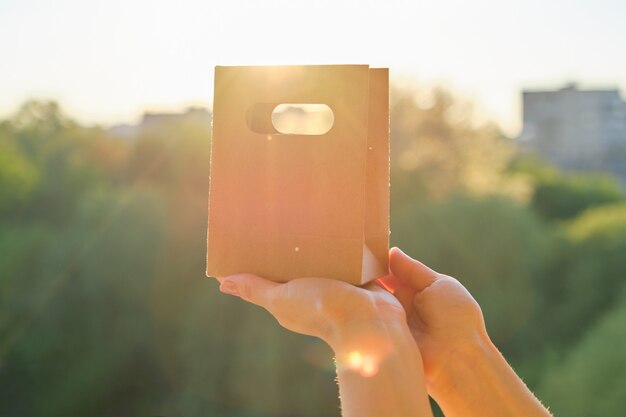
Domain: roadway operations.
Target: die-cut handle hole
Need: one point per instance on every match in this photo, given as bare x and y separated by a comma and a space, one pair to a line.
291, 119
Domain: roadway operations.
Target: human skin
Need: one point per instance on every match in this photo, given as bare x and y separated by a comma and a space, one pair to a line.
465, 373
379, 366
429, 336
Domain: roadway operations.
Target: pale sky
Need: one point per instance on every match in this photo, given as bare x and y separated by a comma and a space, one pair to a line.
108, 61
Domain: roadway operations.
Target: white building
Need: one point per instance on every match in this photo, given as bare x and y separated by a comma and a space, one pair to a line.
576, 129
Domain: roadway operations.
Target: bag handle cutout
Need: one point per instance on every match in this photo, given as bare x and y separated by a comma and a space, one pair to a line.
305, 119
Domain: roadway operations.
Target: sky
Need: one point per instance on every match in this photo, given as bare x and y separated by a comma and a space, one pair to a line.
108, 62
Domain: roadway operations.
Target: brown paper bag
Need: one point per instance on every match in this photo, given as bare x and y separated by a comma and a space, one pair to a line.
286, 206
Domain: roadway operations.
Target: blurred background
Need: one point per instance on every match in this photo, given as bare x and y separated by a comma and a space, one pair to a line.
508, 147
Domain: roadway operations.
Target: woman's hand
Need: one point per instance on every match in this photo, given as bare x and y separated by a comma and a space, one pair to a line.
349, 318
379, 367
466, 374
444, 318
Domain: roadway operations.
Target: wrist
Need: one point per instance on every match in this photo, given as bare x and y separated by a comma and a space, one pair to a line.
375, 357
363, 342
463, 364
345, 330
478, 371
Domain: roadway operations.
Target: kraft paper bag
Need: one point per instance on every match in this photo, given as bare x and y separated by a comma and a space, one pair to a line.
286, 206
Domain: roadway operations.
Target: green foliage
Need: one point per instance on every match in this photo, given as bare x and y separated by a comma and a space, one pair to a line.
566, 197
591, 381
72, 304
493, 245
560, 196
105, 309
18, 177
436, 150
602, 226
584, 277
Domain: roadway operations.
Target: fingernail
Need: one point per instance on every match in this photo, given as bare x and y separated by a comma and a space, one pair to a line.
229, 287
401, 252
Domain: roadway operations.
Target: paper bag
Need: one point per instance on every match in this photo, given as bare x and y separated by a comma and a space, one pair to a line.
285, 206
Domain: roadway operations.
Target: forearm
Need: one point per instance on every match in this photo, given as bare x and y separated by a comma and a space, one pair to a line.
380, 373
479, 382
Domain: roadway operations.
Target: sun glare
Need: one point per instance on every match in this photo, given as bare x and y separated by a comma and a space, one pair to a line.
365, 365
302, 118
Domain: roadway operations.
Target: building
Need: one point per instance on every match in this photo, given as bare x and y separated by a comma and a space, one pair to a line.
576, 129
192, 115
158, 121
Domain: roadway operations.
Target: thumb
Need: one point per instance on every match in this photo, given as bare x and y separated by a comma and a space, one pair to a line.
409, 271
249, 287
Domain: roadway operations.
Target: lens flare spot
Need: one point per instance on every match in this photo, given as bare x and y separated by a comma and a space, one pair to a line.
369, 367
297, 249
355, 359
363, 364
269, 137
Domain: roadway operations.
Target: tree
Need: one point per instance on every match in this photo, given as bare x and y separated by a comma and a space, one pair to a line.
18, 177
492, 245
561, 196
438, 149
585, 276
591, 381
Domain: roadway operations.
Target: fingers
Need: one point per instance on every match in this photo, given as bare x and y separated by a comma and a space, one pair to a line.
249, 287
410, 271
377, 286
403, 292
389, 282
